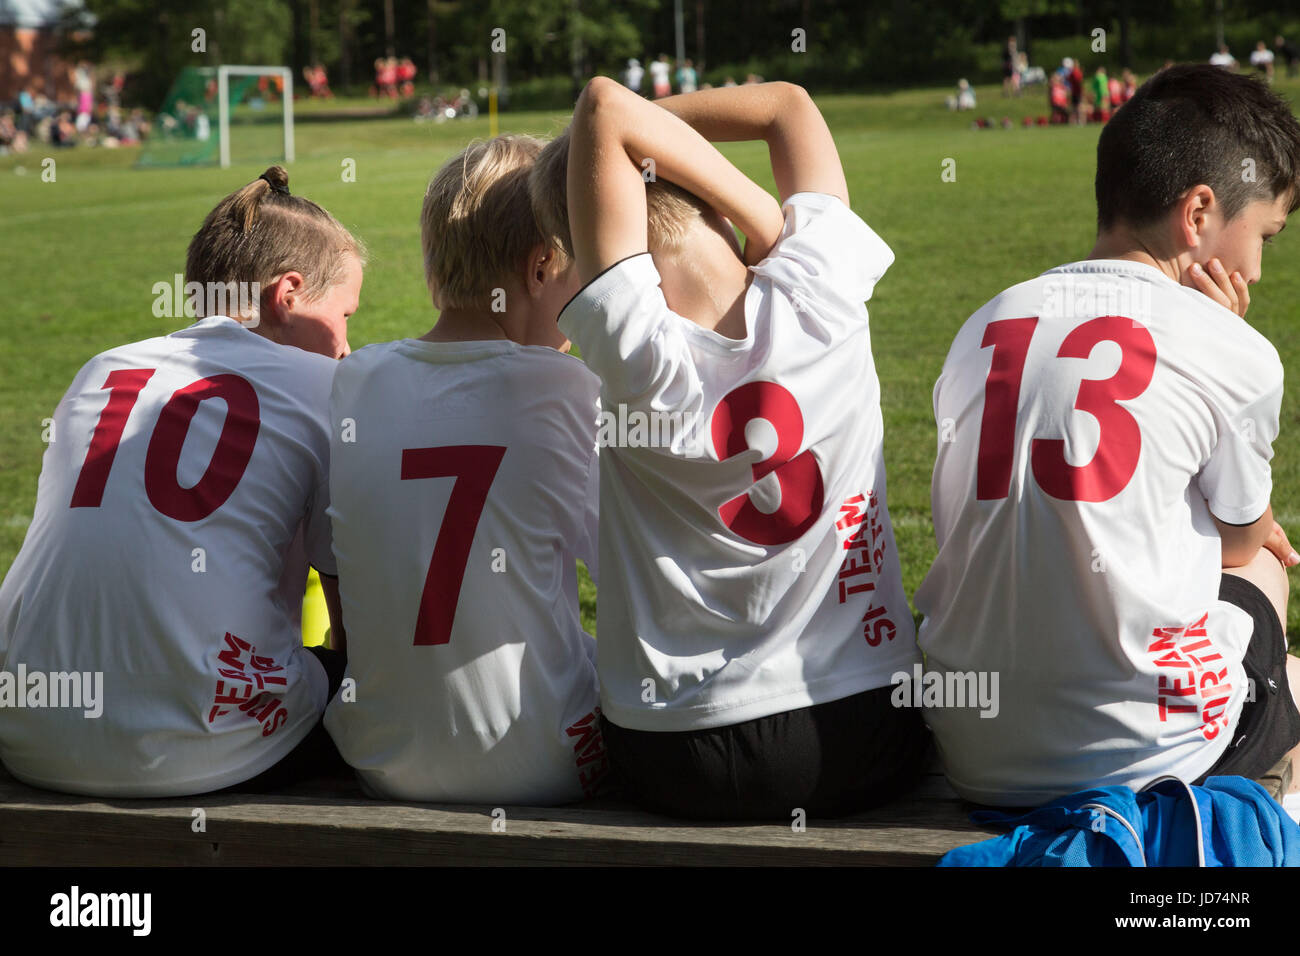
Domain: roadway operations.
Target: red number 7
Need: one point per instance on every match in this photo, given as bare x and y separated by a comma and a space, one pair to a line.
474, 467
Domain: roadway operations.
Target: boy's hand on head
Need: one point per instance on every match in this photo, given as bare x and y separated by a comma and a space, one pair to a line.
1214, 281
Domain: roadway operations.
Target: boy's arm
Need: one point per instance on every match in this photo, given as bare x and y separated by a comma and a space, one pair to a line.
329, 585
1242, 542
783, 115
613, 132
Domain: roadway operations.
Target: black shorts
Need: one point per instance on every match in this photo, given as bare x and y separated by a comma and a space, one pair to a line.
1269, 725
827, 760
316, 754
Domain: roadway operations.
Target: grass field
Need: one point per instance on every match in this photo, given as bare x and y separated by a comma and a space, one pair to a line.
79, 257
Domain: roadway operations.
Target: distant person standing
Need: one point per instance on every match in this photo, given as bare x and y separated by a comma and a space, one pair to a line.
1130, 83
659, 70
1010, 74
1287, 50
633, 75
1058, 99
1099, 94
84, 81
687, 81
1073, 75
1221, 57
1261, 58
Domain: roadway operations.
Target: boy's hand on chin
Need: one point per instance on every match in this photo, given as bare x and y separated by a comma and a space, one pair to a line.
1211, 279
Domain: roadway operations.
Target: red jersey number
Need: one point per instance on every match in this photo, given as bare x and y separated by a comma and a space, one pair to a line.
474, 467
799, 475
229, 459
1120, 442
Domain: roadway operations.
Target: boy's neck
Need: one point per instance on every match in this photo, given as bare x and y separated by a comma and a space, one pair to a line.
1127, 245
706, 282
465, 325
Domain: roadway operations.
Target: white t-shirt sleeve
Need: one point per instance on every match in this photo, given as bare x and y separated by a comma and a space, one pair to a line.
1237, 480
826, 249
630, 338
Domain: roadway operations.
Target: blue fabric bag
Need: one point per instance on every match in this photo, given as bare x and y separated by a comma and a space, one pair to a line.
1229, 821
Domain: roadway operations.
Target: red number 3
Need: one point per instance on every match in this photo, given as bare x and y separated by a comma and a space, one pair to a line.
1120, 444
799, 475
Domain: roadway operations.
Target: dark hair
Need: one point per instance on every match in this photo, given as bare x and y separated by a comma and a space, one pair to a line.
1191, 125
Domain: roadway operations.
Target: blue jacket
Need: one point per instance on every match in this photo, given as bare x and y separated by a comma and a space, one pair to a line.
1230, 821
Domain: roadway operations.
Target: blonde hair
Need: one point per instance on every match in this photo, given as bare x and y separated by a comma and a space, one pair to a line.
477, 224
670, 210
260, 232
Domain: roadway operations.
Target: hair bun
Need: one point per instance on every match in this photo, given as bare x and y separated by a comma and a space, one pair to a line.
278, 179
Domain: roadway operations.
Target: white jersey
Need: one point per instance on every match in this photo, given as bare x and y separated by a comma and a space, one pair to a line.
184, 477
749, 563
1085, 418
659, 77
464, 491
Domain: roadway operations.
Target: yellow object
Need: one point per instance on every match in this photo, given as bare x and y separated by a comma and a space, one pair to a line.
315, 615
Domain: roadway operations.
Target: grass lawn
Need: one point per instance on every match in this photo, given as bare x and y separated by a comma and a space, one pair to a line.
79, 257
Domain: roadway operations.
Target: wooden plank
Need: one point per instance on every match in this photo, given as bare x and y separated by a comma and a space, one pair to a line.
333, 824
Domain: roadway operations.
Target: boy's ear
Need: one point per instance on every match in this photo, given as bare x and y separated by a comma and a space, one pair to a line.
280, 297
539, 266
1195, 209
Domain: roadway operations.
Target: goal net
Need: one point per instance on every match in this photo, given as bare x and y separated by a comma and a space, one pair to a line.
223, 114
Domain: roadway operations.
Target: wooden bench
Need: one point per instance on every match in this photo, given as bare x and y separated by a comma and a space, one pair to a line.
333, 823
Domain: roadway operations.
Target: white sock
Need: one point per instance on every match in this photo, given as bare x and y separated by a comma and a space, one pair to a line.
1291, 804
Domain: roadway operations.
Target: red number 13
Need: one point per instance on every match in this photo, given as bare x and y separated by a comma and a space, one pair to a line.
1120, 444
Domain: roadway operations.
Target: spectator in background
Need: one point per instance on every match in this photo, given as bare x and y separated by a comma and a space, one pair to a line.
63, 130
318, 81
1261, 58
84, 81
26, 119
633, 75
113, 88
1058, 99
8, 132
406, 76
1099, 96
1130, 83
659, 80
1010, 75
965, 98
1115, 88
1223, 58
686, 78
1074, 78
1287, 50
1029, 75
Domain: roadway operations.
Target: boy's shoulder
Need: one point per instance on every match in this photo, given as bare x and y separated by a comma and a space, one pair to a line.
825, 246
1191, 329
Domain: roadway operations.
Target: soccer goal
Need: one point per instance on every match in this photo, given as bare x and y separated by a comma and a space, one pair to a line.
208, 108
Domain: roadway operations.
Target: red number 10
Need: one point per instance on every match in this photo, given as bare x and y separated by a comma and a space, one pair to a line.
1120, 444
229, 459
